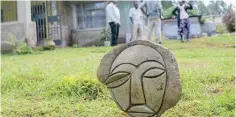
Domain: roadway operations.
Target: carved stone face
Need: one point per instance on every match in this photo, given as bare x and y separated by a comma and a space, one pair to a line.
137, 79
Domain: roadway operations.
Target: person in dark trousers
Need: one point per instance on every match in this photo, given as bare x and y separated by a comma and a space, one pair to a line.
183, 19
113, 20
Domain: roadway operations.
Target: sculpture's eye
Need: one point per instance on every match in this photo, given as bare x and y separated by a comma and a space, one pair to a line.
117, 79
154, 72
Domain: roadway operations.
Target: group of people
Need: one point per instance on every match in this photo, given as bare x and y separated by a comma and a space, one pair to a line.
152, 10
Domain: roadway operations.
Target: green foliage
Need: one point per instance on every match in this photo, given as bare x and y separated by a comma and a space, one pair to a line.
202, 20
167, 4
220, 29
85, 87
229, 20
18, 46
24, 49
12, 41
217, 7
193, 12
105, 34
203, 10
49, 44
75, 46
168, 12
63, 82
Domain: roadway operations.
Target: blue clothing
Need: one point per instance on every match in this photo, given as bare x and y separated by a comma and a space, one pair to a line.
184, 27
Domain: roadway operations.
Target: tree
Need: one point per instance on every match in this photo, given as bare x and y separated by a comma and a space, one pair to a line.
167, 4
231, 7
193, 12
203, 10
170, 6
167, 13
229, 20
217, 7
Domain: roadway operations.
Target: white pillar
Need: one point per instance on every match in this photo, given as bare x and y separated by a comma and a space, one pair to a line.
74, 18
24, 14
20, 11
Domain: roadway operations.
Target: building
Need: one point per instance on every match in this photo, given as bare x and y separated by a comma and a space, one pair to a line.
65, 22
59, 20
34, 21
88, 20
16, 18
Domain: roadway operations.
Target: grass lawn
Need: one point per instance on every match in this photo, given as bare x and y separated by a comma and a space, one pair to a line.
63, 82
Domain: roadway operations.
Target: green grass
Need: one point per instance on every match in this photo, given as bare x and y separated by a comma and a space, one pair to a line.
63, 82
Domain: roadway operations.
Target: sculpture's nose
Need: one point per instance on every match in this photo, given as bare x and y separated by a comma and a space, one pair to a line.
137, 93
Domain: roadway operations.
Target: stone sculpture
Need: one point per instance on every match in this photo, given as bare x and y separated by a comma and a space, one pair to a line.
143, 78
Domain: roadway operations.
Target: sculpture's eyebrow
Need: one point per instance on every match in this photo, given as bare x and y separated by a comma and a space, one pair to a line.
144, 62
147, 61
121, 65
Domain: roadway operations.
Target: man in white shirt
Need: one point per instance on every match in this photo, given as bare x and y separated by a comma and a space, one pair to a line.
153, 14
136, 18
113, 20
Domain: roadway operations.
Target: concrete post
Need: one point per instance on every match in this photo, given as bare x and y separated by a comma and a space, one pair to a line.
74, 19
21, 11
24, 16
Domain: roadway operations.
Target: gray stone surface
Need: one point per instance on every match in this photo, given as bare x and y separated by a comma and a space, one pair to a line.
143, 78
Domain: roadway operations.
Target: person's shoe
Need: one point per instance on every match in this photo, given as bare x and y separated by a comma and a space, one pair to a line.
160, 43
182, 41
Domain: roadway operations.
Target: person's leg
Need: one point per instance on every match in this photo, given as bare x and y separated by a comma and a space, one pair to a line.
180, 30
134, 32
187, 29
151, 25
140, 27
158, 30
117, 33
113, 32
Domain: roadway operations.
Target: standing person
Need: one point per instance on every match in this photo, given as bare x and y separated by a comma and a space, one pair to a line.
113, 20
154, 18
136, 18
182, 19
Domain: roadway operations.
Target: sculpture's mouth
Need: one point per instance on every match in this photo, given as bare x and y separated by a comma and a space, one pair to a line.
140, 109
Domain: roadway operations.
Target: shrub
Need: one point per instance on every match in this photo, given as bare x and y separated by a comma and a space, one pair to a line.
89, 88
86, 88
167, 13
24, 49
229, 20
49, 44
202, 20
75, 46
105, 34
220, 29
18, 47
